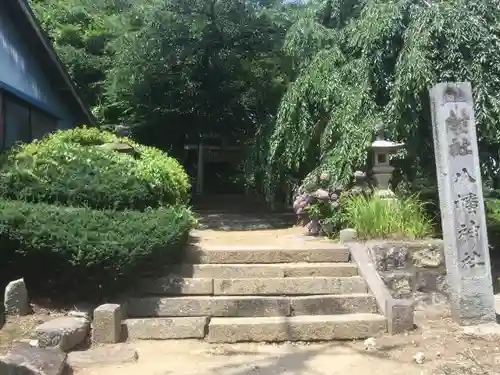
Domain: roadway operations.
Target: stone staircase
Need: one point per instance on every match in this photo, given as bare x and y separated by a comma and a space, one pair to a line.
256, 293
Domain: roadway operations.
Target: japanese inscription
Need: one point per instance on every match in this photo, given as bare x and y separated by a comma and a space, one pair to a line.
461, 200
464, 176
460, 147
468, 231
472, 259
453, 94
468, 202
458, 125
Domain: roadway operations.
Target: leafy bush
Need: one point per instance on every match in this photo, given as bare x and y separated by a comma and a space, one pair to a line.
375, 217
80, 167
87, 251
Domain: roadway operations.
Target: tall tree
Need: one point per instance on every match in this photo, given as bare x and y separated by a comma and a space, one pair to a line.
80, 31
197, 69
362, 63
176, 70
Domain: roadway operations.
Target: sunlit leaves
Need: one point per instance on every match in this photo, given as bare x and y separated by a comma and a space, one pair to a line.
359, 63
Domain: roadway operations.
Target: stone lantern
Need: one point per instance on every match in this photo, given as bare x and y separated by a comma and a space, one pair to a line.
382, 169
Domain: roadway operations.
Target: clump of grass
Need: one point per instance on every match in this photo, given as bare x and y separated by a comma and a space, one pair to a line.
375, 217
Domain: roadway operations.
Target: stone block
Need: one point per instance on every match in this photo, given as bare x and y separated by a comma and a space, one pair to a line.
389, 256
175, 286
431, 281
430, 256
228, 271
166, 328
315, 253
63, 333
103, 356
331, 305
107, 324
296, 328
16, 299
320, 270
207, 306
400, 316
400, 284
24, 359
348, 235
290, 286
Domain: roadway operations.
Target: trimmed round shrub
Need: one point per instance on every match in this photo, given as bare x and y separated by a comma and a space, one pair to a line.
88, 252
92, 168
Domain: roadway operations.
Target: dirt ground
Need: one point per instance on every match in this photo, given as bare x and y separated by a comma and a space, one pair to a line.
18, 328
447, 350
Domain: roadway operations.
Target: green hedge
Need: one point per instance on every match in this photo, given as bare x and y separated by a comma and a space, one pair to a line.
81, 250
78, 168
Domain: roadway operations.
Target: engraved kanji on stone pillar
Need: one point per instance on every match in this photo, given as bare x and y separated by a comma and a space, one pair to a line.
462, 206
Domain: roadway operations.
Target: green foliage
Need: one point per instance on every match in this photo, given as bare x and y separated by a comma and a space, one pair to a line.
81, 31
73, 168
375, 217
85, 250
361, 63
301, 84
175, 70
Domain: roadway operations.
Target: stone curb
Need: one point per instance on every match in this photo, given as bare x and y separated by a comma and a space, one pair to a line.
398, 312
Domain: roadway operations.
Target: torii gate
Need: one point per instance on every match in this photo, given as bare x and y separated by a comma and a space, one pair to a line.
214, 154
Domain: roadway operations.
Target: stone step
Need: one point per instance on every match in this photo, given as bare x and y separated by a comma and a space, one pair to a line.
290, 286
322, 252
176, 286
248, 306
296, 328
332, 304
242, 271
166, 328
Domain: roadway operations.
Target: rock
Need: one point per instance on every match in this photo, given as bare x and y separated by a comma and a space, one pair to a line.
63, 333
24, 359
107, 325
16, 300
123, 148
430, 257
370, 344
399, 284
419, 358
79, 314
103, 355
348, 235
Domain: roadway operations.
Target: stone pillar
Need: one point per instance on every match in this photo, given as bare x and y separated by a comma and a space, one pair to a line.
462, 206
107, 324
16, 299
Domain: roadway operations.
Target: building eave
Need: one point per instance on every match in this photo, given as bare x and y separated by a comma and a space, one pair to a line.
54, 59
